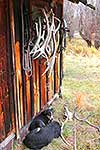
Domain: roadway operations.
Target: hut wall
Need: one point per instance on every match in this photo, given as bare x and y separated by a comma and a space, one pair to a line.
7, 120
21, 96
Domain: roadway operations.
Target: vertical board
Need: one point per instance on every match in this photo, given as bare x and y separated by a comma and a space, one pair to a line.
43, 87
25, 111
50, 85
56, 69
59, 12
36, 86
28, 98
3, 73
19, 85
2, 127
6, 87
25, 74
10, 73
12, 38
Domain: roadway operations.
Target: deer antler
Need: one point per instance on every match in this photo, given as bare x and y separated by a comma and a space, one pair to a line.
85, 120
45, 44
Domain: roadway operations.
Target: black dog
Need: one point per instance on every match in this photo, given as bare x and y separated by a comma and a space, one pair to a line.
42, 119
37, 140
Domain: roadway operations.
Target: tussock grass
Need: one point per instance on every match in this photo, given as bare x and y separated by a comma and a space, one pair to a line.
80, 47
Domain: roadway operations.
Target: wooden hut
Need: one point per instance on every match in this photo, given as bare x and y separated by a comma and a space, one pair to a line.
23, 95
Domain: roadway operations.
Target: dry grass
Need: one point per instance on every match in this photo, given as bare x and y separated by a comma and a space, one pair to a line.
81, 87
79, 47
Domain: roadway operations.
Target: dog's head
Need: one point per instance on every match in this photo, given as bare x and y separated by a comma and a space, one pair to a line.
48, 113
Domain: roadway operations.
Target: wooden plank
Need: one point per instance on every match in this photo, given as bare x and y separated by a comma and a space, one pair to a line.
5, 114
12, 29
5, 95
19, 85
32, 96
25, 113
36, 86
50, 87
56, 68
59, 14
43, 83
2, 127
24, 76
29, 8
9, 75
59, 70
28, 98
18, 61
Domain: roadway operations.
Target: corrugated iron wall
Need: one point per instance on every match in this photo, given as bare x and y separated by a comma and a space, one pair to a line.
22, 96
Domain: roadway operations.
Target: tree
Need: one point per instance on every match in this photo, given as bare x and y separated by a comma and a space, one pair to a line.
69, 15
97, 36
84, 19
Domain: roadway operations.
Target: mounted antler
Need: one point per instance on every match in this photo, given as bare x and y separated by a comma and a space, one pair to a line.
46, 27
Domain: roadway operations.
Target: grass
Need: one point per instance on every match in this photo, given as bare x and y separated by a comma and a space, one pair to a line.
81, 75
84, 77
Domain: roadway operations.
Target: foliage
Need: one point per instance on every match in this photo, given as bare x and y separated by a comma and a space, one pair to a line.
84, 20
79, 46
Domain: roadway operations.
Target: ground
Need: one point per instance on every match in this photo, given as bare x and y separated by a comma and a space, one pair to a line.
81, 87
81, 77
